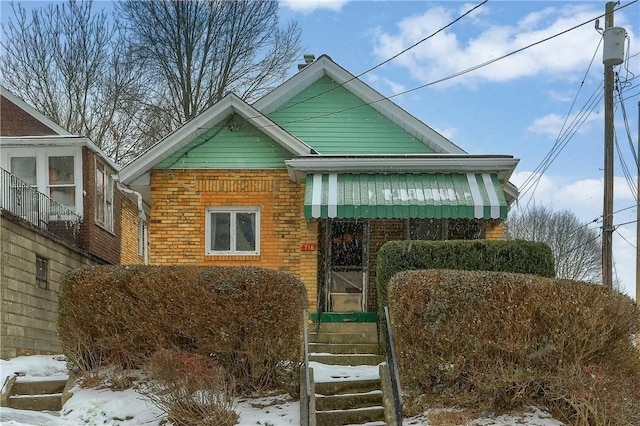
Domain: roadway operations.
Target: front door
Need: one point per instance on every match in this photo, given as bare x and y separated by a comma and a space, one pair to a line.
347, 256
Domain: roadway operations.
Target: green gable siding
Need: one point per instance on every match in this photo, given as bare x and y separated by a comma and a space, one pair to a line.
360, 130
221, 148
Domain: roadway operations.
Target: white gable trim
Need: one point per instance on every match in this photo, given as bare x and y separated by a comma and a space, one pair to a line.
205, 120
33, 112
325, 66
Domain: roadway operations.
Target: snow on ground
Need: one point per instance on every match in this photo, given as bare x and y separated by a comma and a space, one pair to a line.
128, 408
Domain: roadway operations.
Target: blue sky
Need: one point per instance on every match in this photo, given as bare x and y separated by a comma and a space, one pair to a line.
515, 106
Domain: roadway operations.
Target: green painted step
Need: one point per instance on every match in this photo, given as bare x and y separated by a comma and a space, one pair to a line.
345, 327
344, 317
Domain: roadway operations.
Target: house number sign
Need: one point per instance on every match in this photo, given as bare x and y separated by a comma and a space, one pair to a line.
309, 247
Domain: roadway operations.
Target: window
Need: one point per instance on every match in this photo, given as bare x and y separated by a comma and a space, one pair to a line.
233, 231
104, 196
62, 186
24, 201
42, 272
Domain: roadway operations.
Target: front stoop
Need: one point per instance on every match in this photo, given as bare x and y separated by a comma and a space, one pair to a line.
37, 395
340, 401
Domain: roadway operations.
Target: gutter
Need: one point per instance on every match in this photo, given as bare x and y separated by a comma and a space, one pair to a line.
143, 233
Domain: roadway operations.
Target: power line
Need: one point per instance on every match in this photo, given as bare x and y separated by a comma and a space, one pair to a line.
457, 74
623, 237
386, 60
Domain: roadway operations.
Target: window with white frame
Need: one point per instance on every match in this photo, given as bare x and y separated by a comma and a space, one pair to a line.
233, 230
104, 196
62, 185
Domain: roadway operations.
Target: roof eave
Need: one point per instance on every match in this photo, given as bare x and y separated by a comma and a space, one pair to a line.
502, 165
185, 134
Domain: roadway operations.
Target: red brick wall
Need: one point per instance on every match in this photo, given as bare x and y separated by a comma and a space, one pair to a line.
380, 232
95, 239
14, 121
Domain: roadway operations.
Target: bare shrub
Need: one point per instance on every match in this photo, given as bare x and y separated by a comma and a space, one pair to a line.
191, 389
502, 341
248, 318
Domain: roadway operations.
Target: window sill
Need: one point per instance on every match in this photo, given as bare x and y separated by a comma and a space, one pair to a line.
234, 257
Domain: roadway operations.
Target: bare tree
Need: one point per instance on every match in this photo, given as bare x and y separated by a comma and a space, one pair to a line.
576, 248
194, 52
70, 63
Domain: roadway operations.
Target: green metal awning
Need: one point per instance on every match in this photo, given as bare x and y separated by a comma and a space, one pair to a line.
442, 195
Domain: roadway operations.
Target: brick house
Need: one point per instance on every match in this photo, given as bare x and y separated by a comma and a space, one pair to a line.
60, 209
312, 179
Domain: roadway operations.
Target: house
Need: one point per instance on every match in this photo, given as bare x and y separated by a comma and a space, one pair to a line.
312, 179
60, 209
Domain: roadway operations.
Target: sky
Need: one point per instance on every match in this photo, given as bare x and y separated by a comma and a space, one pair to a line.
130, 408
514, 106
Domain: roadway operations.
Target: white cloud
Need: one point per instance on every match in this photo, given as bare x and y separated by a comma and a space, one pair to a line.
561, 96
585, 198
448, 132
551, 124
449, 52
309, 6
394, 86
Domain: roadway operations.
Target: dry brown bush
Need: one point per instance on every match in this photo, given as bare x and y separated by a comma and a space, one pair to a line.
248, 319
190, 388
502, 341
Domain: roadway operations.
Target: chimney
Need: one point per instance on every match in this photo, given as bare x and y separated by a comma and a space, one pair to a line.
308, 58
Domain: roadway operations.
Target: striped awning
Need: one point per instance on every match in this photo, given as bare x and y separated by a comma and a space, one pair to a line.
443, 195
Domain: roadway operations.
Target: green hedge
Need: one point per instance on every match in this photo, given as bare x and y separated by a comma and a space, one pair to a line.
517, 256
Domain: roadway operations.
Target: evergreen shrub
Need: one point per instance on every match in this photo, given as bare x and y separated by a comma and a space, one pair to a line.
249, 320
502, 341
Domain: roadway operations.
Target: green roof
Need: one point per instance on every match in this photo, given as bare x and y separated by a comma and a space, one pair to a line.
334, 121
444, 195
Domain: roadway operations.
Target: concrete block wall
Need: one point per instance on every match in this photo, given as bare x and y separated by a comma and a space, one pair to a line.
28, 314
177, 226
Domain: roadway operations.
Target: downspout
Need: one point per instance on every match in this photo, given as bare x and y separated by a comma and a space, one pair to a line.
143, 232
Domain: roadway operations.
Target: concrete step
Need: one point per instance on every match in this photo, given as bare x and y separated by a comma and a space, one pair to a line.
349, 417
348, 401
345, 327
346, 359
49, 402
343, 338
347, 387
38, 387
344, 348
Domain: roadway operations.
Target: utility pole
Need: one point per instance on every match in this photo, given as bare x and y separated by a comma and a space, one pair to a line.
607, 210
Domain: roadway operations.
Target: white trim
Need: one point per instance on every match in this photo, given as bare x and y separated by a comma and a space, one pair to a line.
55, 128
199, 125
503, 166
332, 199
493, 196
232, 228
324, 65
478, 204
316, 195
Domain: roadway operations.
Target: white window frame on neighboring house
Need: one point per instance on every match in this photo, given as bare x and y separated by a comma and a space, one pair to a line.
43, 180
104, 196
232, 231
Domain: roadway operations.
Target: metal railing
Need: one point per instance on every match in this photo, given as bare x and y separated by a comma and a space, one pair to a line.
305, 399
21, 200
392, 361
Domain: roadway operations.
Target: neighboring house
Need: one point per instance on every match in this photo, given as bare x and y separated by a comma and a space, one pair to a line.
60, 209
312, 179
